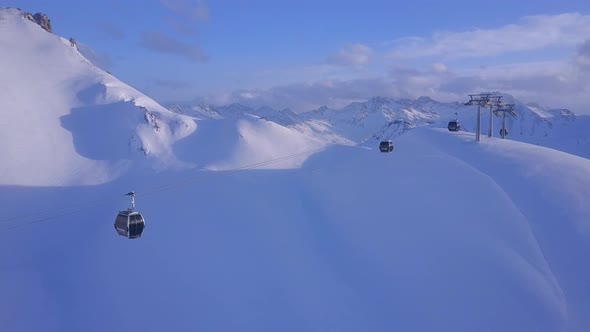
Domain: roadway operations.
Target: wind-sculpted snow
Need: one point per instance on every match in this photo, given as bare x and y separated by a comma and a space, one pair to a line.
552, 190
66, 122
260, 220
442, 234
232, 143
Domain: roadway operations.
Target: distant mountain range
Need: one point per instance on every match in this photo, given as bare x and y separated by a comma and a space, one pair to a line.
84, 126
378, 118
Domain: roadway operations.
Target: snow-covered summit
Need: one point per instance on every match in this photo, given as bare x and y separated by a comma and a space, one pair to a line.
64, 121
379, 117
382, 118
201, 111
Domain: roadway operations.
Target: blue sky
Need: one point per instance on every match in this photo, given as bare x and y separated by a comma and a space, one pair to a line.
303, 54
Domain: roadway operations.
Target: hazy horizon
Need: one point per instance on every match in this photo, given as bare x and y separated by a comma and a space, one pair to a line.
307, 54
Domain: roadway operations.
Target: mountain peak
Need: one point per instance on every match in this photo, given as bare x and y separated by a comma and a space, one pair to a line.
425, 99
89, 118
39, 18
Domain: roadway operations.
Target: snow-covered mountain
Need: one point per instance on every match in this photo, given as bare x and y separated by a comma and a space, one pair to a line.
65, 121
283, 117
383, 118
234, 135
378, 118
263, 220
84, 126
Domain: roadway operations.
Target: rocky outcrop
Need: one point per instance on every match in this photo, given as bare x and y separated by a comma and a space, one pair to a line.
41, 19
73, 43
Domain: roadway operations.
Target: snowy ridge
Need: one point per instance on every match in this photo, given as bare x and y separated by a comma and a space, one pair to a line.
556, 128
235, 135
443, 234
100, 128
234, 143
284, 117
492, 234
379, 118
54, 103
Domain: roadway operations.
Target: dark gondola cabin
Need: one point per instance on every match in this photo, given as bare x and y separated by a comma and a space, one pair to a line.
454, 125
130, 223
386, 146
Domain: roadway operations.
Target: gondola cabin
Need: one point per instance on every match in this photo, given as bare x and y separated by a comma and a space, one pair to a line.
129, 224
454, 125
386, 146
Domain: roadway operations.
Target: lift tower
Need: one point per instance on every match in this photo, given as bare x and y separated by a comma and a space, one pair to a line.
493, 102
481, 99
505, 108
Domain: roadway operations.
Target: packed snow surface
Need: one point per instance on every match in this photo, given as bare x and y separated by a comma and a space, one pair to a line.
260, 220
442, 234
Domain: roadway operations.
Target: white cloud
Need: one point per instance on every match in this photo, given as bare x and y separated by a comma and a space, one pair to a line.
556, 84
439, 68
530, 33
356, 55
301, 97
560, 82
552, 83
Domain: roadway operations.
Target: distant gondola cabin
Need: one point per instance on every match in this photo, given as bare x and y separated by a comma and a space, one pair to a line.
454, 125
386, 146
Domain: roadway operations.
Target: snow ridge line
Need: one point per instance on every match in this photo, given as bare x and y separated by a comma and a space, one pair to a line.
549, 274
145, 192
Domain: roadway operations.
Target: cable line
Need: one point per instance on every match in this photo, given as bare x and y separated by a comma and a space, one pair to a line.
69, 210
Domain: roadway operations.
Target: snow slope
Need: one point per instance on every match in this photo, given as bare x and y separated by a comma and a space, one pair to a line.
552, 190
64, 121
227, 144
291, 232
443, 234
380, 118
67, 122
